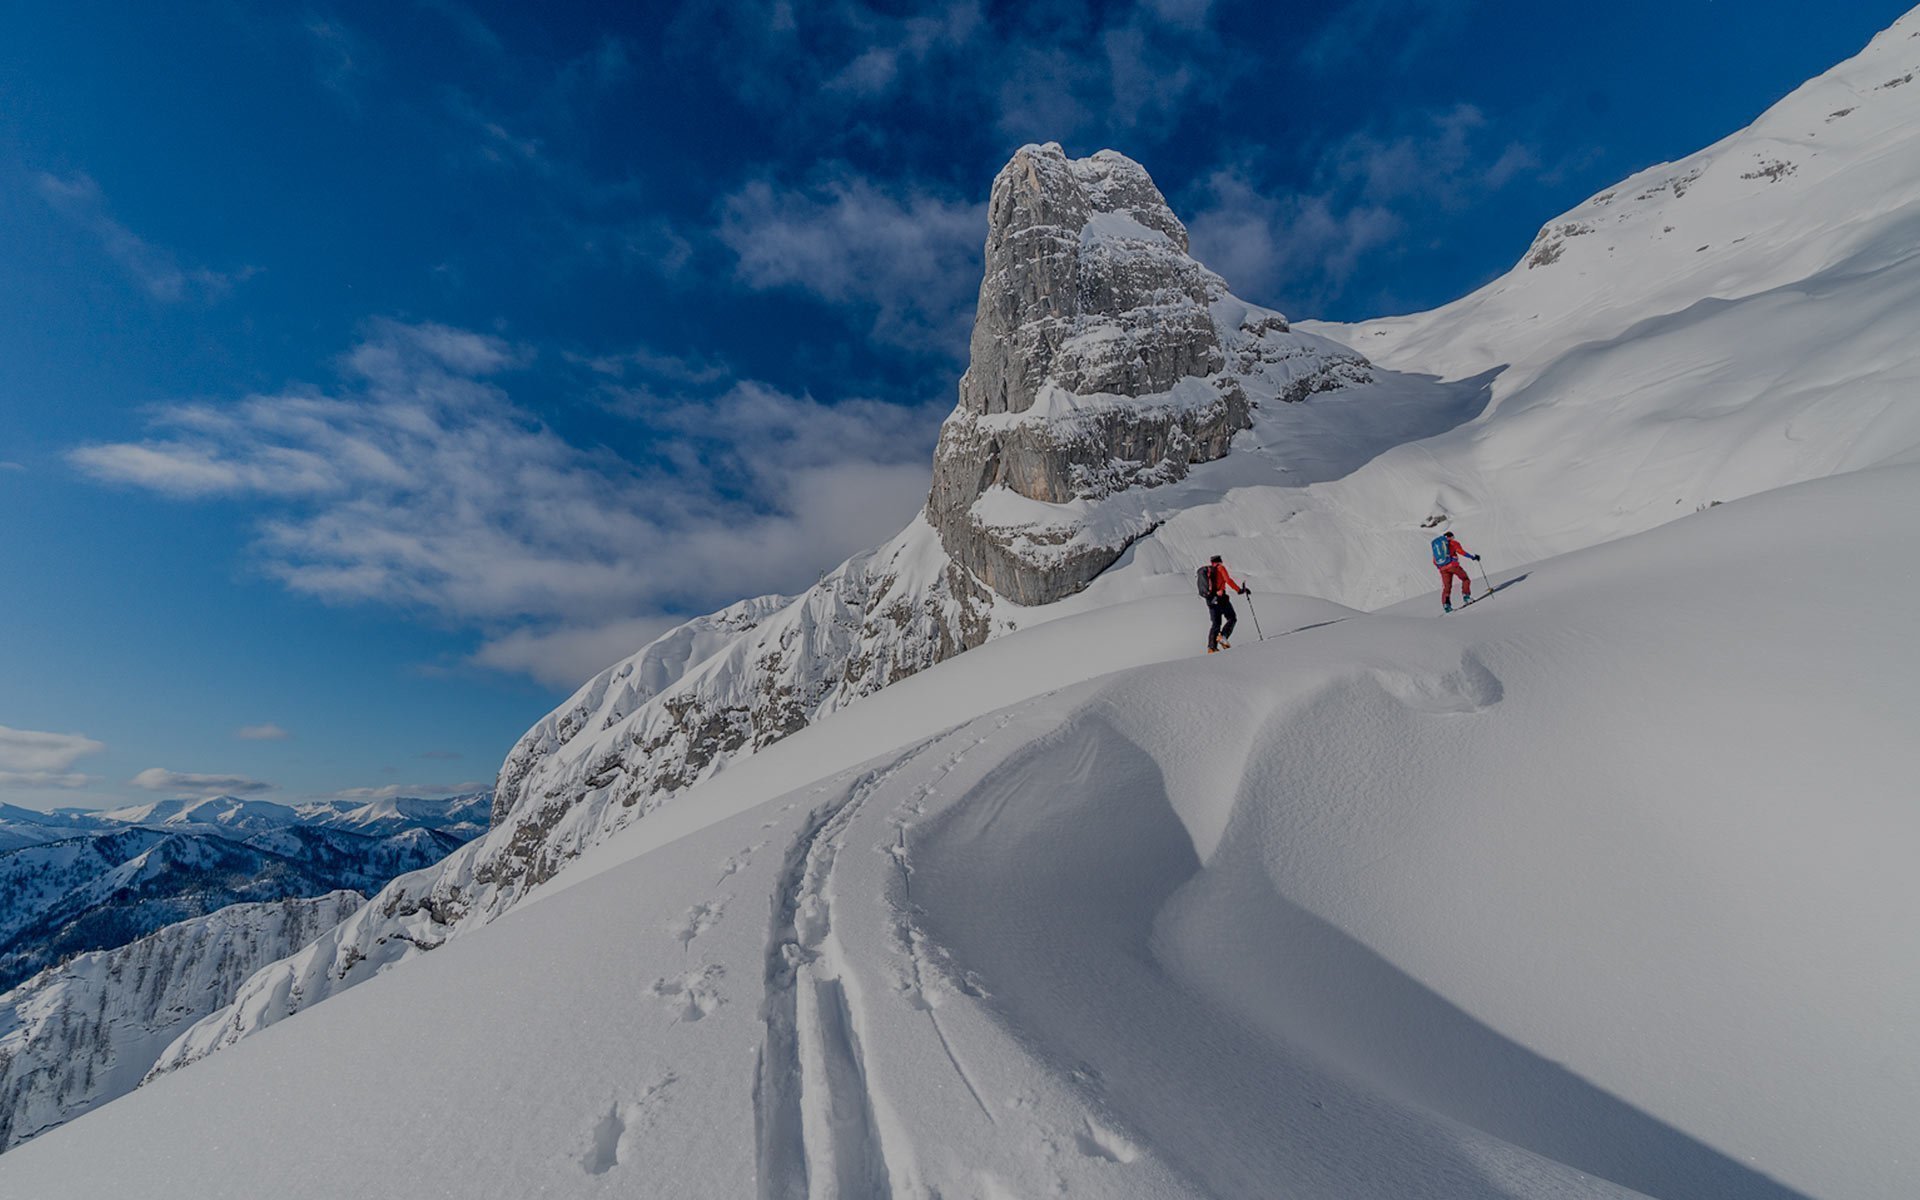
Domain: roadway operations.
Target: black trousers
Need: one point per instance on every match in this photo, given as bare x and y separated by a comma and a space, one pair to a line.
1224, 619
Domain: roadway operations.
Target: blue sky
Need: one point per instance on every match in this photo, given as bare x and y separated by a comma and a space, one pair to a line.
371, 373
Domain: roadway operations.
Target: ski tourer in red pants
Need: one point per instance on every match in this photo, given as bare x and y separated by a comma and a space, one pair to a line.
1447, 553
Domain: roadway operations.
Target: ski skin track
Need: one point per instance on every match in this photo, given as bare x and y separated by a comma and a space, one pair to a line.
814, 1124
817, 1133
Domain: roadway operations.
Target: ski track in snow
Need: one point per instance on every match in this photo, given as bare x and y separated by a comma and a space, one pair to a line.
911, 941
813, 1116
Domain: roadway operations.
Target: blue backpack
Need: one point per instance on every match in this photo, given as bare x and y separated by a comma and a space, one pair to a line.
1441, 555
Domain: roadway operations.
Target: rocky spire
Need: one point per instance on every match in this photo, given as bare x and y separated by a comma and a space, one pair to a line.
1104, 358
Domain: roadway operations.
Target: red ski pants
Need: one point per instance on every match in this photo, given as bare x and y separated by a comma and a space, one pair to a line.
1448, 574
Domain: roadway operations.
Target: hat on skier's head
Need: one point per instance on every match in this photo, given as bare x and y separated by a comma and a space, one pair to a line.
1216, 558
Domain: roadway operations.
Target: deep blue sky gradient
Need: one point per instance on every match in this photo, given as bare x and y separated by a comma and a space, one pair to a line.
667, 220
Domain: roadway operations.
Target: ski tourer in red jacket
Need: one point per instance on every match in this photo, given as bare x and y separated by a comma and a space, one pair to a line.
1219, 606
1447, 553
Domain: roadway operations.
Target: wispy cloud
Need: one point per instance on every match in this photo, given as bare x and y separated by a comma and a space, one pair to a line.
30, 758
156, 269
908, 256
159, 779
261, 733
1303, 247
566, 655
340, 57
421, 484
1389, 31
1059, 69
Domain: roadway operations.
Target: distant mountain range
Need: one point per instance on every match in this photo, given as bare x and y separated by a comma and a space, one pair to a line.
82, 1033
73, 881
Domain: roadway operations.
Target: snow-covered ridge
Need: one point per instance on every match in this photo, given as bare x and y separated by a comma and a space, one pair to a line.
80, 1034
1816, 181
231, 816
1379, 908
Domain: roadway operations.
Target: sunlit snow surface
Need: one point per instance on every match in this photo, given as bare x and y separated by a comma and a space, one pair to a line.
1602, 878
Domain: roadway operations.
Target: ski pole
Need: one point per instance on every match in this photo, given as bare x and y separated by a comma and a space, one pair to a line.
1254, 613
1483, 577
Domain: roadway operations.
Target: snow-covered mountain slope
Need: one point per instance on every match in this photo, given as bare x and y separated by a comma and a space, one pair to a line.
34, 878
1126, 363
1601, 418
226, 813
464, 816
82, 1033
236, 819
102, 890
1707, 329
1819, 180
1563, 895
30, 827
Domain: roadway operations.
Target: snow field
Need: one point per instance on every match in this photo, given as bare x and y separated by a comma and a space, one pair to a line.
1599, 883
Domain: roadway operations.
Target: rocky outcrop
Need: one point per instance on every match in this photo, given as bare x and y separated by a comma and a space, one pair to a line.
1104, 358
80, 1034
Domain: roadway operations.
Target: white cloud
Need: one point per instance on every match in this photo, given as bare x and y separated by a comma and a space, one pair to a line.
423, 486
30, 750
44, 779
30, 758
566, 657
156, 269
261, 733
159, 779
907, 255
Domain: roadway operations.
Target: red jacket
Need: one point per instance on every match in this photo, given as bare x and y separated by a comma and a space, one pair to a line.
1221, 581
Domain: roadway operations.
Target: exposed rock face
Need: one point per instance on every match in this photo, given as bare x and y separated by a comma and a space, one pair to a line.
80, 1034
1085, 247
1106, 362
1103, 358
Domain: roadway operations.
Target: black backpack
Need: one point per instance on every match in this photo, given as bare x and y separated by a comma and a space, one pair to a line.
1204, 578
